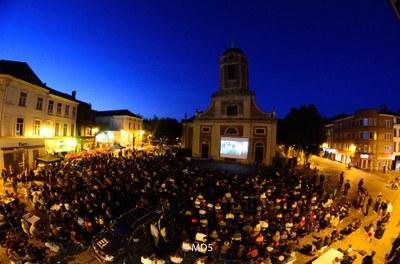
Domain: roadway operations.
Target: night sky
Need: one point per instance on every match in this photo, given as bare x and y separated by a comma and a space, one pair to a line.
161, 57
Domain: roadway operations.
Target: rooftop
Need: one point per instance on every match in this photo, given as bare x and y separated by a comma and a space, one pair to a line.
21, 70
117, 113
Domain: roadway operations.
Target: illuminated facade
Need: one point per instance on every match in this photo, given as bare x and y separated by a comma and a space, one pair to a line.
119, 127
34, 119
233, 127
396, 143
364, 139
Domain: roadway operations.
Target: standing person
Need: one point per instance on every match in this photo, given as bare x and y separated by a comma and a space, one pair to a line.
321, 180
155, 233
370, 234
378, 202
341, 180
369, 259
25, 177
361, 184
346, 188
369, 203
383, 208
15, 183
4, 175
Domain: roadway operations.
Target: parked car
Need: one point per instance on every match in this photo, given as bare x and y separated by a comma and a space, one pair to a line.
129, 234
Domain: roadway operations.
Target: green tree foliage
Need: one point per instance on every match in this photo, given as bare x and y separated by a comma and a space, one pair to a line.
303, 128
163, 129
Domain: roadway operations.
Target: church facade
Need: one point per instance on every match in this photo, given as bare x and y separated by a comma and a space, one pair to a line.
233, 128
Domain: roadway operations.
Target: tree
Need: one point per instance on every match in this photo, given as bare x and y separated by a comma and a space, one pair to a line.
303, 128
163, 129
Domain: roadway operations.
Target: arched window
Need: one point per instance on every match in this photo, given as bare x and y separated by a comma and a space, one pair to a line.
231, 131
259, 145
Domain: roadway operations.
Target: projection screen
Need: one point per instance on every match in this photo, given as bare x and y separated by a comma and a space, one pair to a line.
235, 148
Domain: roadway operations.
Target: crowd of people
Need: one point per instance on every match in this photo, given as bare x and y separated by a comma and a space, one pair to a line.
256, 218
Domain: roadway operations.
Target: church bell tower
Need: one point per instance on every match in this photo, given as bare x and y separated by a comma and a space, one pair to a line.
233, 71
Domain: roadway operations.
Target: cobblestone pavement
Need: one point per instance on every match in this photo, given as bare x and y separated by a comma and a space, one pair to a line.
374, 182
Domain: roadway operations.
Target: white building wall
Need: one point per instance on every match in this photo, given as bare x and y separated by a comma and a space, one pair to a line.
31, 144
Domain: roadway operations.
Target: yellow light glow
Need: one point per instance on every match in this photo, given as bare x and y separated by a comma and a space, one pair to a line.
46, 131
325, 145
95, 130
71, 143
352, 148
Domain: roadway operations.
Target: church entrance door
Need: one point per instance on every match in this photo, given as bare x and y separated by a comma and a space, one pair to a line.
204, 150
259, 153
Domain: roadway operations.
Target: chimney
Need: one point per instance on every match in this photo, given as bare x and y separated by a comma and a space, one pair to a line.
74, 94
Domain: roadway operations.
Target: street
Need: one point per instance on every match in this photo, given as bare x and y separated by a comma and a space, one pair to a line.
375, 183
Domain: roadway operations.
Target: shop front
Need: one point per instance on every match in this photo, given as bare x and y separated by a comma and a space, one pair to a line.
17, 154
60, 145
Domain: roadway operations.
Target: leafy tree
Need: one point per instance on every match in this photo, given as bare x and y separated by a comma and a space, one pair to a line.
303, 128
164, 130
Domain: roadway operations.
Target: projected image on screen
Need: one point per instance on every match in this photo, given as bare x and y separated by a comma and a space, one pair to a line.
235, 148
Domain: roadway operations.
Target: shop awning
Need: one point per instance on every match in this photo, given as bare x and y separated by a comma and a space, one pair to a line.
48, 159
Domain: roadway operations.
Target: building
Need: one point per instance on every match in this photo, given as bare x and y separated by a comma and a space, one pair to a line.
34, 118
87, 127
364, 139
396, 143
233, 128
119, 127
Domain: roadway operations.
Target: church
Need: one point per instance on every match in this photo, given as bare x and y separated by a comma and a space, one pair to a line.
233, 128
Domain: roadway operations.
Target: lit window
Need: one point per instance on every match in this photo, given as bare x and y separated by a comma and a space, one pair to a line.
19, 131
22, 99
65, 130
388, 148
57, 129
39, 103
36, 128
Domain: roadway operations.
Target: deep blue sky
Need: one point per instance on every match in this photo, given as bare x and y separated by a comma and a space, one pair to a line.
161, 57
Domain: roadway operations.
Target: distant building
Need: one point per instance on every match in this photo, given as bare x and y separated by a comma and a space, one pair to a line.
233, 127
87, 127
364, 139
119, 127
34, 118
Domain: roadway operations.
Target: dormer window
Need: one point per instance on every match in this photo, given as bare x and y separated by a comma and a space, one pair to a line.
231, 110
